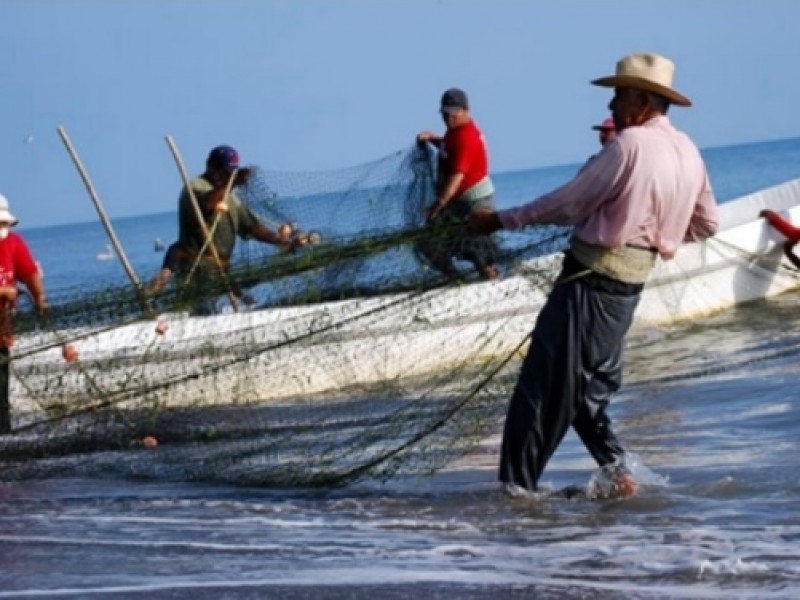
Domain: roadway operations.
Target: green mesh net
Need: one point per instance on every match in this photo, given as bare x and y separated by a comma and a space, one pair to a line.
357, 359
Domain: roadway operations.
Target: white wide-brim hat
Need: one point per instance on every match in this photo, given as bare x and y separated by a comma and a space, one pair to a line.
648, 72
5, 214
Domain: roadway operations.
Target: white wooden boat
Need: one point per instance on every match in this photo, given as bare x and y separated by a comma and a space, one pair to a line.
284, 353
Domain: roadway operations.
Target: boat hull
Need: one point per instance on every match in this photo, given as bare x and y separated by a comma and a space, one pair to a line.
301, 352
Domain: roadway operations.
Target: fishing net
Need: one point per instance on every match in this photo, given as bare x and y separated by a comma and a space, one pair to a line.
353, 357
356, 358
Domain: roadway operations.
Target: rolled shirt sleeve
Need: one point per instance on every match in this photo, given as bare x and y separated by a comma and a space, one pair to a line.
647, 187
576, 201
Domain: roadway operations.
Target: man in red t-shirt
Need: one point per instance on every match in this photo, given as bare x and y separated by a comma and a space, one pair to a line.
16, 264
463, 186
607, 130
789, 231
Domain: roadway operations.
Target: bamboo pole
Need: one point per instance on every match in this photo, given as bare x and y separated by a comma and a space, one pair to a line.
203, 227
210, 234
120, 252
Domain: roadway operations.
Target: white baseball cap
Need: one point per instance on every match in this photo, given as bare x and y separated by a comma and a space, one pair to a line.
5, 214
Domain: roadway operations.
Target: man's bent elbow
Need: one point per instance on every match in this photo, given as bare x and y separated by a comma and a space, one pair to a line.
701, 231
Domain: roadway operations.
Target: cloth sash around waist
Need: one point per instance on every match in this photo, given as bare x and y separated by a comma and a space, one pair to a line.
482, 189
628, 264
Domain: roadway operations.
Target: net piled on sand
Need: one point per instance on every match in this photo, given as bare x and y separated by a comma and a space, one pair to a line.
360, 360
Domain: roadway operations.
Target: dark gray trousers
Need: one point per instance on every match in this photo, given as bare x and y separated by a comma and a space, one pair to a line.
573, 367
5, 406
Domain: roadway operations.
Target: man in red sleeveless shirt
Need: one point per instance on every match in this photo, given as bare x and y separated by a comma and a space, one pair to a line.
16, 264
463, 186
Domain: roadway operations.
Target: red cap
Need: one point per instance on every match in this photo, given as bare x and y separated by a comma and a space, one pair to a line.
607, 124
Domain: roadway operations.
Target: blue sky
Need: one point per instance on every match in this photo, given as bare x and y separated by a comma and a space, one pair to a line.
305, 85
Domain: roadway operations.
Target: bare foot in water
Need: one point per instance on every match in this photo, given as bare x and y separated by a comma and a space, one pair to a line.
623, 486
612, 482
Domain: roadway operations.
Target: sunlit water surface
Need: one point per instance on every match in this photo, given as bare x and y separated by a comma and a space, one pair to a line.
710, 412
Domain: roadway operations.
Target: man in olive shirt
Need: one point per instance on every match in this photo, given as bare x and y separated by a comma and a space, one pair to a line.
225, 218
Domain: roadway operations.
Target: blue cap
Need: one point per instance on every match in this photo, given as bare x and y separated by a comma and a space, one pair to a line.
454, 99
225, 158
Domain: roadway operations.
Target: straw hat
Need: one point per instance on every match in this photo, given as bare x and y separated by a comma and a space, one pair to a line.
648, 72
5, 214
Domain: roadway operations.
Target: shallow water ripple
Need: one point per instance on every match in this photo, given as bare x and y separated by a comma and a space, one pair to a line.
718, 515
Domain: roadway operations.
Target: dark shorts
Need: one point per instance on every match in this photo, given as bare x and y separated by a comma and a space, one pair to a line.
449, 237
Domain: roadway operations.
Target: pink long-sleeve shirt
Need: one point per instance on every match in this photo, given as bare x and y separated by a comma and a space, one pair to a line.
648, 187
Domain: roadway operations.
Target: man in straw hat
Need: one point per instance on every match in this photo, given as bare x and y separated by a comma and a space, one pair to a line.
644, 193
16, 265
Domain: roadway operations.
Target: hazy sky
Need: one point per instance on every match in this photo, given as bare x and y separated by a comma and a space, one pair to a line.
304, 85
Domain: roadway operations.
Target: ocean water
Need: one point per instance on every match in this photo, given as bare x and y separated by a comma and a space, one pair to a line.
69, 254
709, 410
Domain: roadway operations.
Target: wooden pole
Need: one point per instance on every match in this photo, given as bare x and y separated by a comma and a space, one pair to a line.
210, 234
137, 286
204, 228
